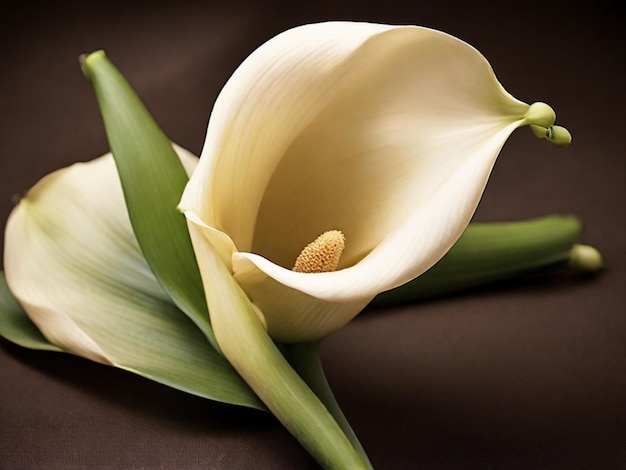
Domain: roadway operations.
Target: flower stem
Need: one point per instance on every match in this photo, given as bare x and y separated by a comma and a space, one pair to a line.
305, 359
251, 351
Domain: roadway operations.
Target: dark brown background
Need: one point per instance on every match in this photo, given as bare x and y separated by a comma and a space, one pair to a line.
529, 375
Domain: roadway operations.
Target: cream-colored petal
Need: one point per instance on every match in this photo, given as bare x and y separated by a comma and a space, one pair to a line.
408, 248
219, 241
73, 263
300, 306
70, 256
269, 100
334, 95
422, 103
289, 314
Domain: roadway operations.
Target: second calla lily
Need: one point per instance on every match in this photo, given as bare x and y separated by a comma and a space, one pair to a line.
386, 134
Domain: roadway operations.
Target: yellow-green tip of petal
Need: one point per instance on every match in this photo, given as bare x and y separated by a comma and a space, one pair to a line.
541, 118
558, 135
539, 131
540, 114
585, 259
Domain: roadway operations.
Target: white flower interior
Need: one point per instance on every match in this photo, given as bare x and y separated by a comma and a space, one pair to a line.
406, 116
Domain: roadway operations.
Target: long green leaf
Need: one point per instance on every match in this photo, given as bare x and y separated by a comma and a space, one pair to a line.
153, 180
492, 252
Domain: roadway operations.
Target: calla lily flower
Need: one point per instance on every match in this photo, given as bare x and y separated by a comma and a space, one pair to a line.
341, 160
74, 264
380, 137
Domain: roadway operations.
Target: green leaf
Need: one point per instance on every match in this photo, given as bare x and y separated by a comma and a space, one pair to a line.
15, 324
489, 252
153, 180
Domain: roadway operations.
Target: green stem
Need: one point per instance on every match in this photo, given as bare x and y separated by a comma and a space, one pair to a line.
251, 351
305, 359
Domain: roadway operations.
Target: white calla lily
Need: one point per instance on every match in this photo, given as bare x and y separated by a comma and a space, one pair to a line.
341, 160
385, 133
73, 263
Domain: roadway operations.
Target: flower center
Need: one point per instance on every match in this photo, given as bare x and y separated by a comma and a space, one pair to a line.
321, 255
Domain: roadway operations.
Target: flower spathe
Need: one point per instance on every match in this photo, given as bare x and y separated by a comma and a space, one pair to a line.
71, 258
385, 133
73, 262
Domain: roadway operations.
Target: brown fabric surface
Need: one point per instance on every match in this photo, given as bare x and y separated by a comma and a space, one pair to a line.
528, 375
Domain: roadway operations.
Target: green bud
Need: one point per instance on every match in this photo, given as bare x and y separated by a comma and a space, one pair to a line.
539, 131
585, 259
559, 136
